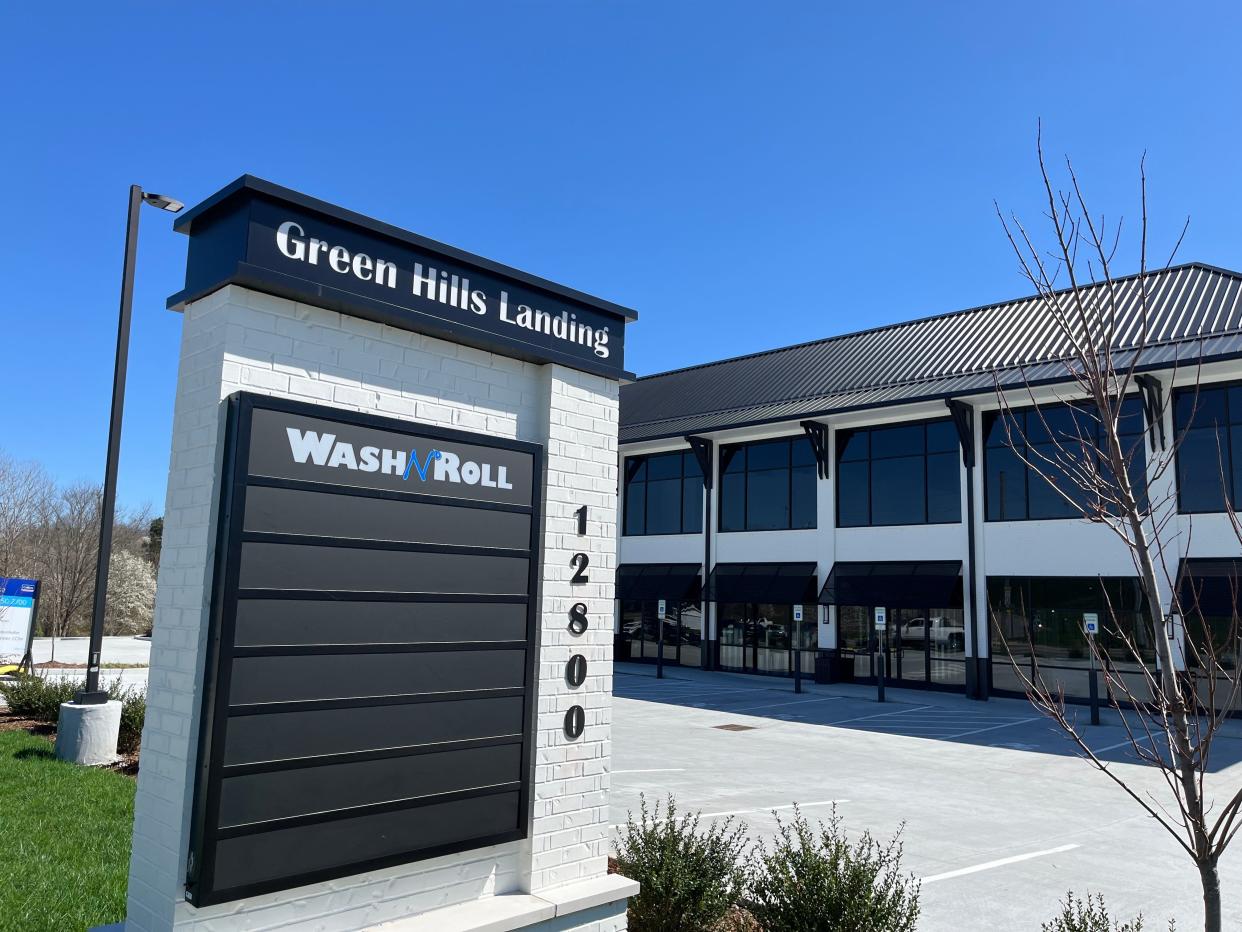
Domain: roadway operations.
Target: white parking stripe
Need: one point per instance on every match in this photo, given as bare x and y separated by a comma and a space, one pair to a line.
979, 731
863, 718
773, 705
729, 812
1120, 744
988, 865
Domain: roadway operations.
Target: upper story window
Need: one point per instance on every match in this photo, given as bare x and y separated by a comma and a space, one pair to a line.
1044, 437
768, 485
663, 494
1208, 423
904, 474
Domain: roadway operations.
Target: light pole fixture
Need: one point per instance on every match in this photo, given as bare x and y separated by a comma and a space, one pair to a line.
92, 694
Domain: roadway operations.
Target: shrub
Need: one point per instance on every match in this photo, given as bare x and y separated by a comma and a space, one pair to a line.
690, 876
1091, 915
819, 881
133, 713
39, 698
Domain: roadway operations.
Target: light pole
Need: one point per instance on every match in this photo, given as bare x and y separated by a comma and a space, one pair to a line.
92, 694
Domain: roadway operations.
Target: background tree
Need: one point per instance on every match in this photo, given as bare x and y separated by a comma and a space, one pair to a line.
1171, 717
24, 490
67, 538
154, 543
131, 594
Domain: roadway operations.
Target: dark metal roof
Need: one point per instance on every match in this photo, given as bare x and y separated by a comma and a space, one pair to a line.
1193, 310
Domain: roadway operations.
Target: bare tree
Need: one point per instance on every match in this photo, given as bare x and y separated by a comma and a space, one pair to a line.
1171, 715
68, 542
25, 490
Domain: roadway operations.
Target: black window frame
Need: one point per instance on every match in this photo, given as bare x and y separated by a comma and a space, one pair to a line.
1133, 402
729, 452
688, 470
1226, 458
843, 435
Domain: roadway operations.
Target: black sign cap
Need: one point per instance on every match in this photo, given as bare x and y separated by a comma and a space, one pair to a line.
464, 298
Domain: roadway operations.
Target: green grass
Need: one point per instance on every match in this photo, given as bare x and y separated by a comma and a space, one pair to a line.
64, 837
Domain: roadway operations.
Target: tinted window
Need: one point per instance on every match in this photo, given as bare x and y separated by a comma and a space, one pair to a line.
1051, 439
769, 485
663, 494
906, 474
1208, 424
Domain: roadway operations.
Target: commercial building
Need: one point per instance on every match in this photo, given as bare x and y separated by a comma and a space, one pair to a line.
773, 501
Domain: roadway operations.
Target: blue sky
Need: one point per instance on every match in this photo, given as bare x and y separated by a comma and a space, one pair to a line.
745, 175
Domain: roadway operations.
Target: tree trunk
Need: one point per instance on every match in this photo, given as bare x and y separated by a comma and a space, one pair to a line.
1210, 878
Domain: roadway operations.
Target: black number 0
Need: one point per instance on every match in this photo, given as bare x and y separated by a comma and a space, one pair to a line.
575, 722
580, 561
576, 671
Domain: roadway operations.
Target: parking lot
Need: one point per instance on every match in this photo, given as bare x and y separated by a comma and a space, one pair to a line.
1001, 815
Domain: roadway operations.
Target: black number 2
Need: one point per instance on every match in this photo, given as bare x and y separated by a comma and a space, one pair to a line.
580, 562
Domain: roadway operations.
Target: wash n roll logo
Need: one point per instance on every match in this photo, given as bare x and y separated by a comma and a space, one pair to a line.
436, 466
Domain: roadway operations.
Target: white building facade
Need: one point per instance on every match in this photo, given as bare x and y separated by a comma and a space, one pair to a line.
772, 503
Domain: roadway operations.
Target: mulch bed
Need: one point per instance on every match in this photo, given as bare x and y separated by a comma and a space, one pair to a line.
126, 764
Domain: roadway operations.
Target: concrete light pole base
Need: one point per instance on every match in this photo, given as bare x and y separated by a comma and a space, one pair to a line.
87, 734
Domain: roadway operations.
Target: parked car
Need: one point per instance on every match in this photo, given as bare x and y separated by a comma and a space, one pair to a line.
942, 632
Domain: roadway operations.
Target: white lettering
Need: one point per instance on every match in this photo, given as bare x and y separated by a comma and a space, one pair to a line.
470, 473
310, 444
362, 266
446, 467
291, 249
386, 272
478, 302
343, 455
338, 258
502, 478
394, 462
369, 459
427, 281
487, 481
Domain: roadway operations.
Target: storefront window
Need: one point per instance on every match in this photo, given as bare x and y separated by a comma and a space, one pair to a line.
663, 494
682, 630
1208, 424
907, 474
768, 485
1037, 622
1044, 438
761, 638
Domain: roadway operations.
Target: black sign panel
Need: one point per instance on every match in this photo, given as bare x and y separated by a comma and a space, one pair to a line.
369, 694
272, 239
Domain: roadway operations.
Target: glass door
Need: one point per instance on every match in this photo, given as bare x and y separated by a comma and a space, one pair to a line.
772, 640
906, 650
733, 636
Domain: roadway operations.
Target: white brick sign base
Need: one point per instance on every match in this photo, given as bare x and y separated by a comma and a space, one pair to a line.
236, 339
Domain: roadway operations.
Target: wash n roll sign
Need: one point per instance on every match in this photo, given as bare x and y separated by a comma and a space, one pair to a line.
271, 239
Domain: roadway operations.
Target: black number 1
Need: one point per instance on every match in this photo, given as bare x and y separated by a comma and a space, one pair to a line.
581, 515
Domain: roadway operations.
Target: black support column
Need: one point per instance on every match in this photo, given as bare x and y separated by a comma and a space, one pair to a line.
976, 666
704, 452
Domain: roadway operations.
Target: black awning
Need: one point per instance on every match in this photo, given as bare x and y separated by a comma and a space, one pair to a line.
926, 584
773, 583
676, 582
1209, 587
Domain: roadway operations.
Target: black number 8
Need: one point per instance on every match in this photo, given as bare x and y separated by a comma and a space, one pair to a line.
578, 617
